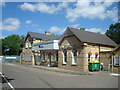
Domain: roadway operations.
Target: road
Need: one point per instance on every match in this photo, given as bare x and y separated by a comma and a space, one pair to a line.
27, 77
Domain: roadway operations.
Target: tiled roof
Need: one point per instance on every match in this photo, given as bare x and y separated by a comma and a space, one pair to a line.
91, 37
43, 36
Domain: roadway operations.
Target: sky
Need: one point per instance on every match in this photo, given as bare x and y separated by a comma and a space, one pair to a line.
21, 17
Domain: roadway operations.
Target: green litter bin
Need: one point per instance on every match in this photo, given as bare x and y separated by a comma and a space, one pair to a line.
94, 66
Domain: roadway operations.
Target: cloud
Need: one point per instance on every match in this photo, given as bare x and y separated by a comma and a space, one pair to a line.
2, 37
55, 29
97, 30
40, 30
75, 25
2, 4
27, 6
44, 7
28, 21
113, 14
90, 10
10, 24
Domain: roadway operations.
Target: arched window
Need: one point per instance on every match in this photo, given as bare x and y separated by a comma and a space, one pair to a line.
64, 57
96, 56
74, 57
89, 56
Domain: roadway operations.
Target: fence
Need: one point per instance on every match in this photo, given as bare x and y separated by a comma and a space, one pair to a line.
10, 58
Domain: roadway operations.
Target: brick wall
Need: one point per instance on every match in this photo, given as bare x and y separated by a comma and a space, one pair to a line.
78, 67
82, 58
105, 59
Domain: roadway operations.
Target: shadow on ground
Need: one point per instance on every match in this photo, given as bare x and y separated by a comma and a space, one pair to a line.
2, 80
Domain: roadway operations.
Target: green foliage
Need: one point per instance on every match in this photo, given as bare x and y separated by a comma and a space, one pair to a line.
82, 29
12, 45
114, 32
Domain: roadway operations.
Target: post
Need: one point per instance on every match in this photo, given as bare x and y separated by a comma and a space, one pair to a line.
21, 58
33, 60
50, 60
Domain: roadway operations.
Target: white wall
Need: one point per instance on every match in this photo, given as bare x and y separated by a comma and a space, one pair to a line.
47, 45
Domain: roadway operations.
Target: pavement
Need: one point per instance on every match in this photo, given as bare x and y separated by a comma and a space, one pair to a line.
28, 76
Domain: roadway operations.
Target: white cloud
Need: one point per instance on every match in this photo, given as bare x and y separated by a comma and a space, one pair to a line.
27, 6
55, 29
113, 14
10, 24
75, 25
40, 30
91, 10
94, 30
28, 21
2, 4
2, 37
44, 7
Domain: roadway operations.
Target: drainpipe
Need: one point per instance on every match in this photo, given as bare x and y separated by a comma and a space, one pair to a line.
99, 53
112, 61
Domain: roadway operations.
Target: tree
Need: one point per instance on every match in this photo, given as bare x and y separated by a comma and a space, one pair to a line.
82, 29
11, 45
114, 32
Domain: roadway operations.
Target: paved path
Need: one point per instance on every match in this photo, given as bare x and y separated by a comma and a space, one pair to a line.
27, 77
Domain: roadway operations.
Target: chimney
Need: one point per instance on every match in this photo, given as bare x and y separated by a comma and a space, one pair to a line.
47, 32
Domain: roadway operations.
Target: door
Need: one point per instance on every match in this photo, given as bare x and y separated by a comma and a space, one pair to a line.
37, 58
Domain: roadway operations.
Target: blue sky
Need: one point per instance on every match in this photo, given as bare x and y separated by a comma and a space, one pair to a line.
20, 17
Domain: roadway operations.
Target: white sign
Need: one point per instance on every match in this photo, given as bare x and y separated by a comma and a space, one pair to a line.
10, 57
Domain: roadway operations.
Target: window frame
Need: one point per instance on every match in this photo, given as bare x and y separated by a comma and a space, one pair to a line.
115, 61
74, 62
97, 58
89, 57
63, 54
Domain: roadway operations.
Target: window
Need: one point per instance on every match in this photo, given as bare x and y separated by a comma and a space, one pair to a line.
43, 56
26, 45
96, 57
89, 57
64, 57
40, 46
56, 56
29, 44
74, 57
117, 61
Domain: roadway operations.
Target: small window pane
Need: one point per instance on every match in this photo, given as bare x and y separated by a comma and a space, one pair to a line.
117, 61
89, 57
75, 57
65, 56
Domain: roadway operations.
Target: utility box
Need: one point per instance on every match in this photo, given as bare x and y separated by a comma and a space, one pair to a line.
94, 66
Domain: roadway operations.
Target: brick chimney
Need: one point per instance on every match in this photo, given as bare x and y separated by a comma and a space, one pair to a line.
47, 32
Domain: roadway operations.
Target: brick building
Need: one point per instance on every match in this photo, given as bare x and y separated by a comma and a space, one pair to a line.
78, 48
28, 55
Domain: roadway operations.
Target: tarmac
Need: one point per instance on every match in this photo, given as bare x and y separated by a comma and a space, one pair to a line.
56, 69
